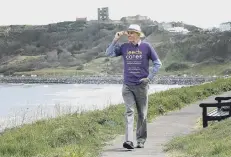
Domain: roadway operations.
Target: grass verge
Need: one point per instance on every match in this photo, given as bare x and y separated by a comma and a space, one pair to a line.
85, 134
213, 141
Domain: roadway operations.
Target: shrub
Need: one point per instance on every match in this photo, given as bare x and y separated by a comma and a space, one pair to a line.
176, 67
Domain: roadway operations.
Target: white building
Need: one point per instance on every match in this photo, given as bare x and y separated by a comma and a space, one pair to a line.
135, 18
175, 28
166, 25
225, 26
178, 30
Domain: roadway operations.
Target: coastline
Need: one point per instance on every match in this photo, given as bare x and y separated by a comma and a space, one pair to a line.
72, 98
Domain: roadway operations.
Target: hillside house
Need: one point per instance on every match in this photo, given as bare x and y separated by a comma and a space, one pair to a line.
225, 26
174, 27
132, 19
82, 19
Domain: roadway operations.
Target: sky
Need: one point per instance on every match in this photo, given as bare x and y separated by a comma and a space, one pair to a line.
202, 13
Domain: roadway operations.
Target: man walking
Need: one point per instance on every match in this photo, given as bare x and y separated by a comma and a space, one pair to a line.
136, 55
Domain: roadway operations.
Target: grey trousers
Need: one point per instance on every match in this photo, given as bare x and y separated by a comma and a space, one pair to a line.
136, 95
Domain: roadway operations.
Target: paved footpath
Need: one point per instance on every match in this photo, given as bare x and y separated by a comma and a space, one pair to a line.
160, 131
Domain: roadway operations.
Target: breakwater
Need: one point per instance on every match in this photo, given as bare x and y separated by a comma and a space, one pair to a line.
104, 80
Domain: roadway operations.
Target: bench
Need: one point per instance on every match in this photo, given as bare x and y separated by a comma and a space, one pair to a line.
220, 99
222, 110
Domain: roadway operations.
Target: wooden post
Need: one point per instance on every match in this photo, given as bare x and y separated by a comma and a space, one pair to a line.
229, 110
219, 108
204, 117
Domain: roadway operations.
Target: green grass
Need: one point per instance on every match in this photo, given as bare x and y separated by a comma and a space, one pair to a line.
206, 70
213, 141
22, 59
173, 57
100, 66
56, 72
214, 69
94, 67
77, 134
85, 134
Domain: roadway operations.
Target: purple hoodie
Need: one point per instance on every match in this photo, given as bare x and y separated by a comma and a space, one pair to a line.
136, 60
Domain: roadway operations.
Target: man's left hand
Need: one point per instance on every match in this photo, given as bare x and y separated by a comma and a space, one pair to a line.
145, 80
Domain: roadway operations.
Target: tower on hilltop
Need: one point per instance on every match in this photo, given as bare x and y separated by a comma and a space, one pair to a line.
103, 14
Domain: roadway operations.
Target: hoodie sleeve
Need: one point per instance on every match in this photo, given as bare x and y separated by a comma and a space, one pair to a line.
156, 62
114, 50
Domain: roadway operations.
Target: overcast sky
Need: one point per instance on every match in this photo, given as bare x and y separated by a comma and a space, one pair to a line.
202, 13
